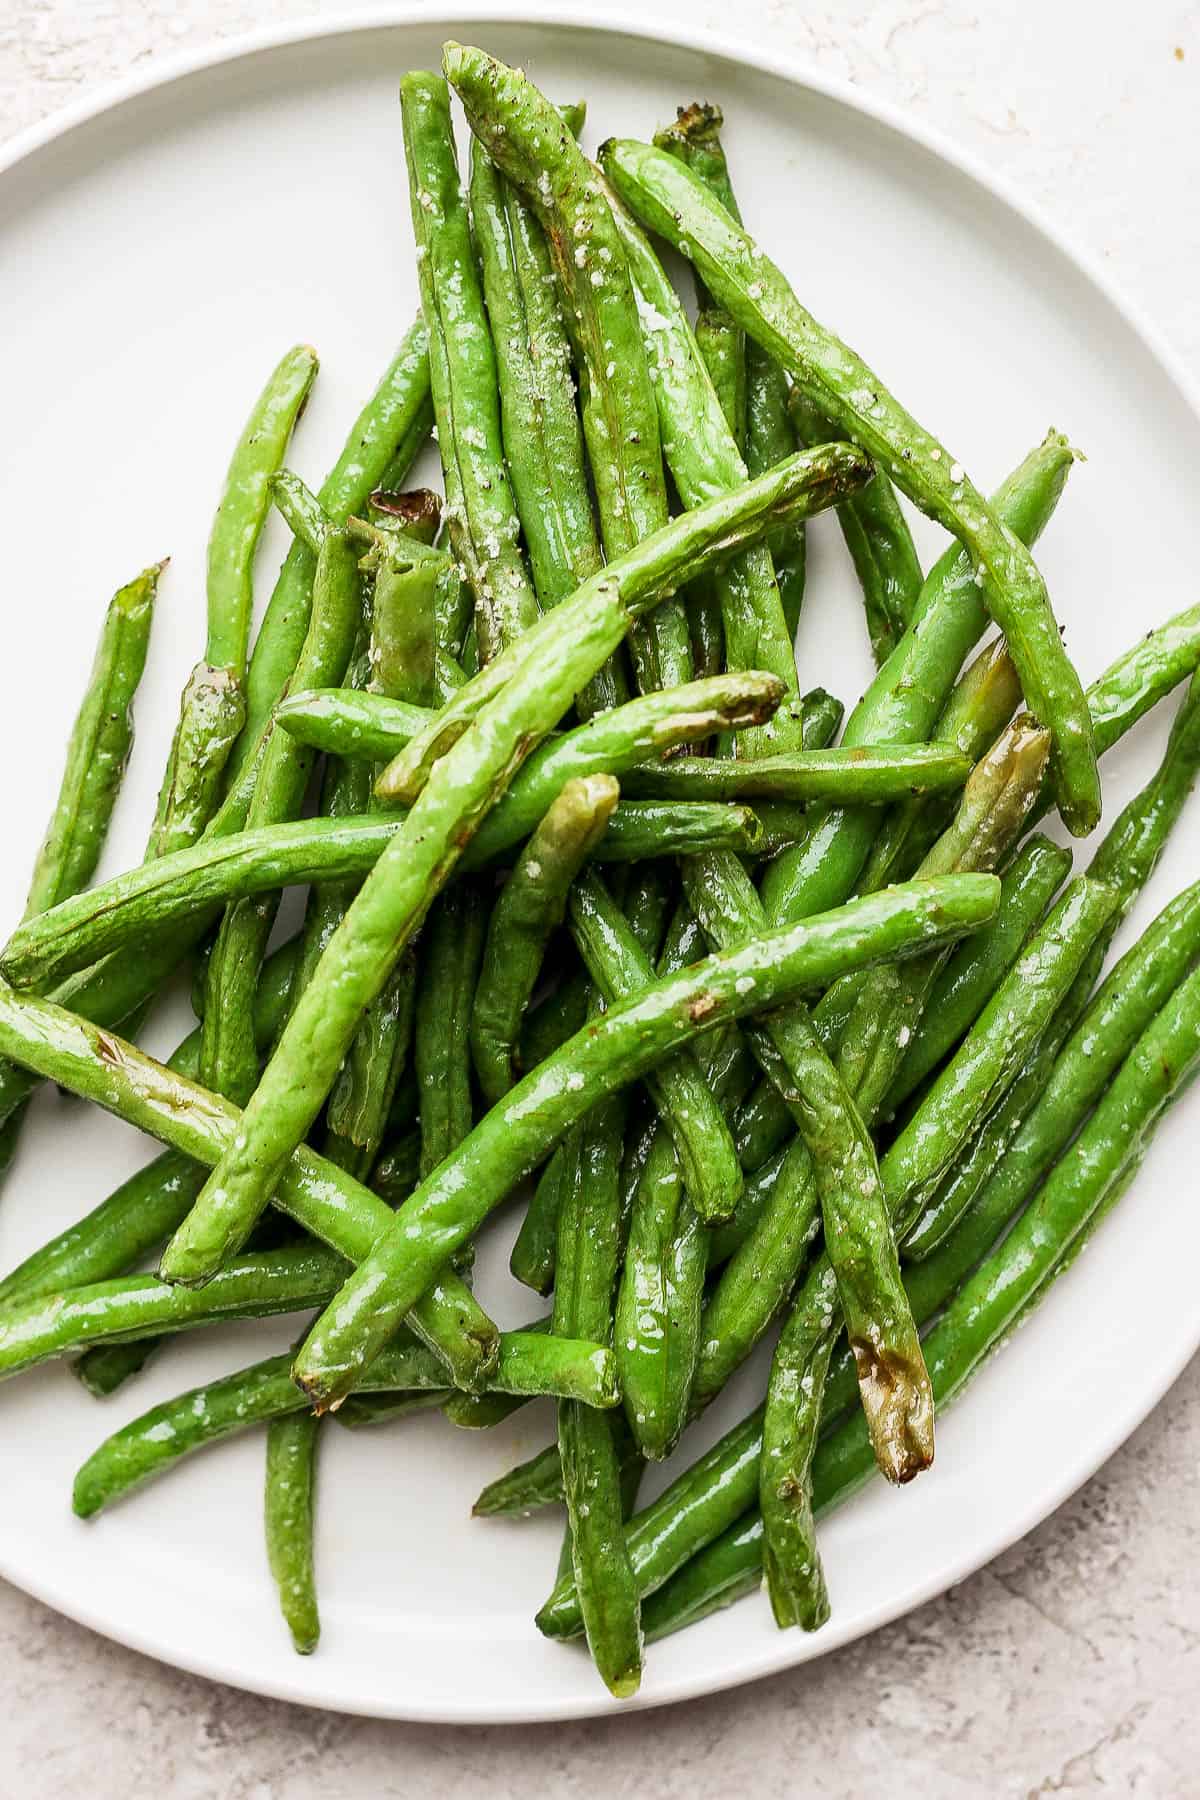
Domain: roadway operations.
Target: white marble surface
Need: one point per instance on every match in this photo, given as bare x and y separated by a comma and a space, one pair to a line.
1064, 1668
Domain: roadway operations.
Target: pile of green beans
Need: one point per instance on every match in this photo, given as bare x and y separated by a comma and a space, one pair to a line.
774, 1039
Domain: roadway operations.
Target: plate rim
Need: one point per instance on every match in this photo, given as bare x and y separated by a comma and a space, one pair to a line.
790, 1651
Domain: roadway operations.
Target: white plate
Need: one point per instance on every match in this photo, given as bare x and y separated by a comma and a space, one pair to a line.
161, 246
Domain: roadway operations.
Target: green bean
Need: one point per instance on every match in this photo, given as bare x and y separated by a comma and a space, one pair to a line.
980, 705
702, 454
904, 700
1056, 1103
990, 1056
659, 1302
759, 417
795, 1579
760, 1270
649, 903
556, 1018
213, 707
707, 1161
529, 143
402, 658
135, 1306
805, 484
230, 1055
972, 972
451, 951
244, 505
1137, 680
669, 199
141, 1213
98, 747
822, 719
360, 1101
1010, 1281
106, 1367
361, 1411
1151, 1075
403, 650
157, 900
588, 1254
211, 715
851, 777
383, 443
980, 1220
722, 351
890, 1002
878, 539
854, 1204
1124, 862
538, 1482
288, 1518
524, 1489
611, 1050
350, 722
299, 509
542, 435
344, 723
716, 1577
105, 1069
397, 893
531, 905
396, 1173
695, 138
265, 1391
698, 1505
535, 1247
661, 1294
482, 515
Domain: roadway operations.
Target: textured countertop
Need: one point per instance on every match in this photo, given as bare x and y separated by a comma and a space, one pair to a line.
1064, 1667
